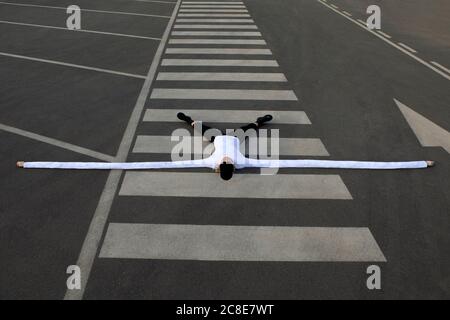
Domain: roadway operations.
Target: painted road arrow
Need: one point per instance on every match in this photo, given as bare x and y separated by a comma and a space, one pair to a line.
428, 133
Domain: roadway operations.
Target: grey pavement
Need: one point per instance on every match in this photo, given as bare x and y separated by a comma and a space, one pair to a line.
337, 90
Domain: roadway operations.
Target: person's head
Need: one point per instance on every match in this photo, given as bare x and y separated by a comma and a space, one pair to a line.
226, 170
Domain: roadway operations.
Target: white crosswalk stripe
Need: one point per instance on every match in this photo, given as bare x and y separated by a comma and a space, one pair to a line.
218, 41
287, 146
213, 2
215, 20
236, 51
214, 10
219, 62
213, 6
227, 116
196, 184
239, 243
215, 26
217, 33
221, 242
221, 76
219, 15
223, 94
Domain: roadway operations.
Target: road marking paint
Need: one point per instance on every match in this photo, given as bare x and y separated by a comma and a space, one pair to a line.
218, 33
384, 34
219, 15
221, 76
212, 2
297, 146
440, 66
213, 6
165, 145
249, 186
218, 51
227, 116
58, 143
216, 20
287, 146
81, 30
91, 242
17, 56
218, 41
393, 44
223, 94
214, 26
219, 62
407, 47
427, 132
362, 22
240, 243
215, 10
157, 1
347, 13
334, 6
87, 10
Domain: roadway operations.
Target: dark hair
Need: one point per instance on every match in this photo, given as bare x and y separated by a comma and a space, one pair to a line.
226, 171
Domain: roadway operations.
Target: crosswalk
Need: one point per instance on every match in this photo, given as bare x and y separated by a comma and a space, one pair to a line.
218, 68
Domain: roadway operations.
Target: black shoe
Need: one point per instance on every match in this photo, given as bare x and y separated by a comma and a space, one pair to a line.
184, 117
264, 119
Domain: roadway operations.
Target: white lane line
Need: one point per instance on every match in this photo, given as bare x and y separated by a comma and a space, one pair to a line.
427, 132
347, 13
216, 20
248, 186
81, 30
58, 143
240, 243
218, 33
214, 26
407, 47
287, 146
362, 22
227, 116
221, 76
334, 6
87, 10
215, 10
218, 51
440, 66
223, 94
219, 62
17, 56
91, 242
393, 44
384, 34
218, 41
217, 15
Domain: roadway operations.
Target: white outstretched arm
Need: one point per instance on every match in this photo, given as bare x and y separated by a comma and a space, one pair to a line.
336, 164
249, 163
116, 165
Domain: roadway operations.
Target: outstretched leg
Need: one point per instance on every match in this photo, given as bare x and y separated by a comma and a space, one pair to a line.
259, 122
191, 122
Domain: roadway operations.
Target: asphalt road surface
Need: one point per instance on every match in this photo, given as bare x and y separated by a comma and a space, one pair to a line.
337, 90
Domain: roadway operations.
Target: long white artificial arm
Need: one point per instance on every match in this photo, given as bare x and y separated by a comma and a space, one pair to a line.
114, 165
314, 164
